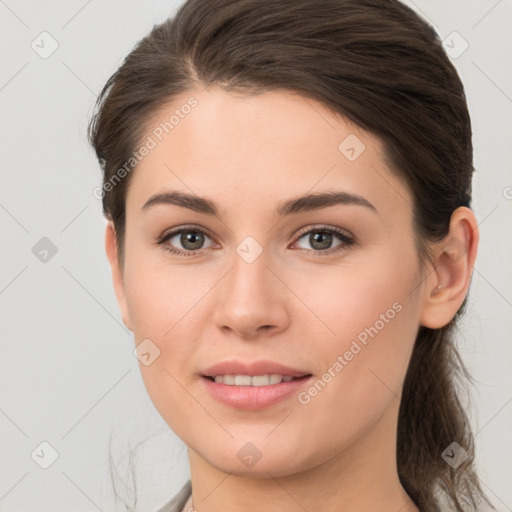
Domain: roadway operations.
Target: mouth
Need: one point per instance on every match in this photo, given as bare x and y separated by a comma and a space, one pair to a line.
254, 380
253, 386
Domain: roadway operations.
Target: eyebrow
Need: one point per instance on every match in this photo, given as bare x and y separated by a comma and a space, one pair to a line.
304, 203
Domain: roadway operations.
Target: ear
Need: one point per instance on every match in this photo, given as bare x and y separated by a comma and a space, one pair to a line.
454, 258
117, 273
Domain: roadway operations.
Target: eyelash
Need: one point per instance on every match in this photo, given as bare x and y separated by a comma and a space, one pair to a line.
345, 239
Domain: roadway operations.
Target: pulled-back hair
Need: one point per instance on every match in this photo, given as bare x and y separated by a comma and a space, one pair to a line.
379, 65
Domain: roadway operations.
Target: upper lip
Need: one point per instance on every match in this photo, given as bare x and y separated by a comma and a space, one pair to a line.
252, 368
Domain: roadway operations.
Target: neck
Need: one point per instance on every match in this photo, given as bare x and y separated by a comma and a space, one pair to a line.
362, 476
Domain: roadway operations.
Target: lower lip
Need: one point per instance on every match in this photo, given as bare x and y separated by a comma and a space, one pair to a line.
254, 397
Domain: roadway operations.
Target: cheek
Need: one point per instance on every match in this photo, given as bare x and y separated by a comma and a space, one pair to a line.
361, 370
164, 309
161, 295
365, 323
168, 305
361, 301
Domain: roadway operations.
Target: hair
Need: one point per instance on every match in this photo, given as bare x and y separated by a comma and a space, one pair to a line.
380, 66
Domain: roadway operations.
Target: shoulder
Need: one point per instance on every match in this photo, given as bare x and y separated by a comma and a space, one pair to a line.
179, 500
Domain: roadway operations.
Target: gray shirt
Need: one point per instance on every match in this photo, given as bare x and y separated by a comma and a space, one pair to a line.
179, 500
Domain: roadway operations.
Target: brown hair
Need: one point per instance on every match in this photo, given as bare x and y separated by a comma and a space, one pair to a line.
379, 65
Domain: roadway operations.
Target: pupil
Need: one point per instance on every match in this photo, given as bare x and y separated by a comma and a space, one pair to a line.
193, 238
325, 240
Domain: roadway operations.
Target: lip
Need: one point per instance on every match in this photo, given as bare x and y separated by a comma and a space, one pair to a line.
254, 397
252, 368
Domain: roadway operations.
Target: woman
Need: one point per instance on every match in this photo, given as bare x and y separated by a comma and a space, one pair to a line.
288, 189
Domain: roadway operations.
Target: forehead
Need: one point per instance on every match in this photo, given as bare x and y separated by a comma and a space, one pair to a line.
246, 150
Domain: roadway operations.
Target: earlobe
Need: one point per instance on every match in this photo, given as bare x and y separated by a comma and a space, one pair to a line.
117, 272
454, 259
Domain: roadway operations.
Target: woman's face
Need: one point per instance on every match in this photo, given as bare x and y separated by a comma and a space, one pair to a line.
270, 281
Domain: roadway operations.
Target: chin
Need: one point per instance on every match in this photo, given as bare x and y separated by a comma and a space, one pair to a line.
258, 458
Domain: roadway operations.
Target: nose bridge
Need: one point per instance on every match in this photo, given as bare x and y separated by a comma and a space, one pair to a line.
249, 275
250, 294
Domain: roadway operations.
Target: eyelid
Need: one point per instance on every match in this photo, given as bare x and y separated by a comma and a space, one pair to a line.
185, 227
324, 227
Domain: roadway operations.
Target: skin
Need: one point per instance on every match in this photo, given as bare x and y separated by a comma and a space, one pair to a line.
249, 153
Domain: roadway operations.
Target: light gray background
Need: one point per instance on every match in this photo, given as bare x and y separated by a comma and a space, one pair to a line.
68, 375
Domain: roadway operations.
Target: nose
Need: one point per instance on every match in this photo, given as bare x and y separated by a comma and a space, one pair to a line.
251, 301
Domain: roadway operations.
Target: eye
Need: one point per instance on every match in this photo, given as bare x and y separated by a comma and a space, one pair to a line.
321, 239
191, 238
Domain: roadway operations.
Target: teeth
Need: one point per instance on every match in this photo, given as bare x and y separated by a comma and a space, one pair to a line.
275, 379
248, 380
243, 380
